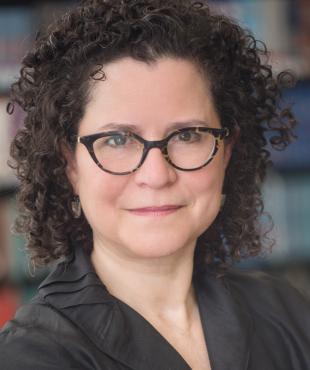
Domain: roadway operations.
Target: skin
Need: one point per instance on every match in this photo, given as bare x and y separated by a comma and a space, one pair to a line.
147, 261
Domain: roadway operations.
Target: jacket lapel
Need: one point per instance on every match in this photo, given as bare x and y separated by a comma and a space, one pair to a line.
227, 327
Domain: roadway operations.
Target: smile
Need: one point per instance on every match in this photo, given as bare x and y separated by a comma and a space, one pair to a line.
155, 211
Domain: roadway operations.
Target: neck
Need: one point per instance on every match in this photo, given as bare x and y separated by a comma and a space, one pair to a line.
158, 288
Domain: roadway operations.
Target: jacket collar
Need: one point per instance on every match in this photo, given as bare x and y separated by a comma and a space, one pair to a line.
122, 333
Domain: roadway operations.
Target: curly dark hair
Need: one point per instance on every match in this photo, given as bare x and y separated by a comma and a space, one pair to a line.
53, 89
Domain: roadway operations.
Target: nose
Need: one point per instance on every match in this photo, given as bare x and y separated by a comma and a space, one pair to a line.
155, 171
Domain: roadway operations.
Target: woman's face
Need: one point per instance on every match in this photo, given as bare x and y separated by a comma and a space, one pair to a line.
152, 98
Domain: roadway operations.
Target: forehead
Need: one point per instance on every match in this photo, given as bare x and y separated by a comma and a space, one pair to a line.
167, 90
130, 76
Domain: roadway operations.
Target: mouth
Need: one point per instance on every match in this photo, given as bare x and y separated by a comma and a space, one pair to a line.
155, 211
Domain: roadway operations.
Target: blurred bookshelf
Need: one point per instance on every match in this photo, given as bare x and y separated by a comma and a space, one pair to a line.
285, 27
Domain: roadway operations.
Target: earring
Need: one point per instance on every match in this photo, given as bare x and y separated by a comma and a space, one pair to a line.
76, 206
223, 200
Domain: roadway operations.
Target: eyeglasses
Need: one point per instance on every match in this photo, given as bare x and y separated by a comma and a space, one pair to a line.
122, 152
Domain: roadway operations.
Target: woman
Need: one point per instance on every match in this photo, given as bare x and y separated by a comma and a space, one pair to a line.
140, 163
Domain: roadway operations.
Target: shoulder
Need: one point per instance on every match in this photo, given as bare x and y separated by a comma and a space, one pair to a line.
33, 339
261, 283
279, 316
266, 295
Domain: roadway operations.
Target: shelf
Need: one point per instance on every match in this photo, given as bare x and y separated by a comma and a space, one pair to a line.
8, 191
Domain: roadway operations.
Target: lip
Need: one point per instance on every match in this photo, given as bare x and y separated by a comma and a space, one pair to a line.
155, 211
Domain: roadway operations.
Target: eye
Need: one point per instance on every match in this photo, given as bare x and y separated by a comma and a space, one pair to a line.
116, 140
188, 136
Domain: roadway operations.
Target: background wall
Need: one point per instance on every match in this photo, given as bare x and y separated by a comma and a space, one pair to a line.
285, 27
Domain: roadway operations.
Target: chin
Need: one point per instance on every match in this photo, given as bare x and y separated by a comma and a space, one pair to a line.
156, 247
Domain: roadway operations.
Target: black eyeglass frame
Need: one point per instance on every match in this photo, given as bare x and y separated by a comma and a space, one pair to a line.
218, 133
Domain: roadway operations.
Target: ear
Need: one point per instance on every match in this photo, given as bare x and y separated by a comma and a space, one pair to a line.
71, 168
229, 144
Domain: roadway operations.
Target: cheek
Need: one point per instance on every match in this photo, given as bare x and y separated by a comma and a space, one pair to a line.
208, 181
206, 189
99, 191
99, 200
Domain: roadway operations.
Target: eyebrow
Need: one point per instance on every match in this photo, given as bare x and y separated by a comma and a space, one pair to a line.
137, 129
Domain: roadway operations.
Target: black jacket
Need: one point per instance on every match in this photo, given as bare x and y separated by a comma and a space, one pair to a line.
250, 321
